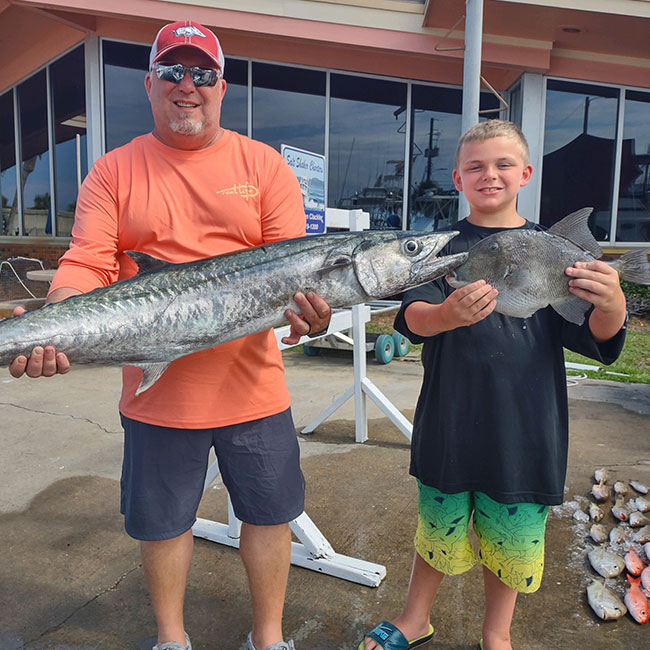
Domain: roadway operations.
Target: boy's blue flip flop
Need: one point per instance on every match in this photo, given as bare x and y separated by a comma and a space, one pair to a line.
390, 638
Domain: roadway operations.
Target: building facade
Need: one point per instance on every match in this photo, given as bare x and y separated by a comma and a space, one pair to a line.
374, 85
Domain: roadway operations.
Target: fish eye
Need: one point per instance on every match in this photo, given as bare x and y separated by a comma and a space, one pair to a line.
494, 246
411, 247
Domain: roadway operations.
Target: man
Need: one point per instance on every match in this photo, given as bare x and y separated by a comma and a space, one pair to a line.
190, 190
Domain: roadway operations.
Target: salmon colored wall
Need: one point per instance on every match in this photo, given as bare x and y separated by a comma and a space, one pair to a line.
288, 40
594, 70
619, 34
28, 40
336, 46
400, 63
392, 56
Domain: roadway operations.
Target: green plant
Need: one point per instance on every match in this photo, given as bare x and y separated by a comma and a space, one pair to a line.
633, 366
638, 298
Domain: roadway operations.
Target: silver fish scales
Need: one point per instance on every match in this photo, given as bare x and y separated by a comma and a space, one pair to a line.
170, 310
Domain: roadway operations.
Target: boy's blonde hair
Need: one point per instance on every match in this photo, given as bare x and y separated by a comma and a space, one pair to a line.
494, 129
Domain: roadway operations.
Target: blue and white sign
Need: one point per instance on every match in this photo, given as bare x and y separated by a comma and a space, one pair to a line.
309, 168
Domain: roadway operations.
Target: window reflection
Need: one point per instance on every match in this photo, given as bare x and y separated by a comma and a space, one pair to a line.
435, 131
234, 108
126, 106
366, 155
69, 113
289, 107
32, 99
516, 106
8, 194
436, 119
633, 218
579, 149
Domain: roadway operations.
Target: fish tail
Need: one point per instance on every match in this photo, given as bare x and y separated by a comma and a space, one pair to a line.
633, 580
634, 267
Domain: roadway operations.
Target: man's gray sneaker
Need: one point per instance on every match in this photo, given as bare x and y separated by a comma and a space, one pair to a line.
282, 645
173, 645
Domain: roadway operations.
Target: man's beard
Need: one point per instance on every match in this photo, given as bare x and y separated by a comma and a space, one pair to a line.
186, 127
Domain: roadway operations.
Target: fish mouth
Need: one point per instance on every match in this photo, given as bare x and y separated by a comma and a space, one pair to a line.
430, 267
453, 279
439, 266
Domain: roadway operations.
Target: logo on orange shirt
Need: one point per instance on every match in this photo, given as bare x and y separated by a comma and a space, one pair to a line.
245, 190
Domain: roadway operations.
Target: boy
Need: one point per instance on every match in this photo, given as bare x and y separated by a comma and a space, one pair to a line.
490, 432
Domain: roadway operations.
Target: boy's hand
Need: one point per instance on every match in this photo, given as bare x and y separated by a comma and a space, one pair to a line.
464, 306
597, 283
469, 304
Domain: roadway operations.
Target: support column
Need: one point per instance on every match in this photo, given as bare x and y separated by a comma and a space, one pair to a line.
94, 97
532, 125
471, 75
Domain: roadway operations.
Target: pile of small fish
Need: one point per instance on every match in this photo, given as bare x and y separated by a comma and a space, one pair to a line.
627, 505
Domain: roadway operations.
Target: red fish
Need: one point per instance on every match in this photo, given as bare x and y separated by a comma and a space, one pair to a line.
645, 578
633, 562
636, 601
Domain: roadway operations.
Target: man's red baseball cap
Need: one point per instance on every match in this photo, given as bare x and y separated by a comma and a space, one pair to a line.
186, 33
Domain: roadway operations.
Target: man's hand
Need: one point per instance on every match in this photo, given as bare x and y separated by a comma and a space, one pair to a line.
42, 362
314, 317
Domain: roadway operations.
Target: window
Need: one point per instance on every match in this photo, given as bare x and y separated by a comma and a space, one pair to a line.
234, 108
127, 109
435, 129
35, 160
633, 215
69, 120
366, 154
516, 106
42, 203
579, 151
289, 107
8, 187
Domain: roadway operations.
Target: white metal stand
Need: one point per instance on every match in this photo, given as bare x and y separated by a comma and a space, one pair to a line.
314, 551
362, 386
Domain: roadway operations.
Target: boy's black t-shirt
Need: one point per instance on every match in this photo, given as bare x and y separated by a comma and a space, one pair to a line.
492, 415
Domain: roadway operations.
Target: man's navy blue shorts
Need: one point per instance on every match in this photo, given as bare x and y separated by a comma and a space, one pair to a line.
164, 471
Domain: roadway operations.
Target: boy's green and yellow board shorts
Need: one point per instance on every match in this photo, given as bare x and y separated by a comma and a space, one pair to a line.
511, 536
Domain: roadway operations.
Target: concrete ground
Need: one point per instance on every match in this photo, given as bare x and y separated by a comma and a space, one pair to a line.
71, 579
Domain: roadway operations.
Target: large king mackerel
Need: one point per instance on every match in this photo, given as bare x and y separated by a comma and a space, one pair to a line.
170, 310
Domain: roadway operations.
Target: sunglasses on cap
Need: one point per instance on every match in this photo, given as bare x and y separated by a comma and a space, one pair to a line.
176, 72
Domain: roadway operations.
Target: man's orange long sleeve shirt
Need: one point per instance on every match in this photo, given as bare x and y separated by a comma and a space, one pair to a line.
181, 206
